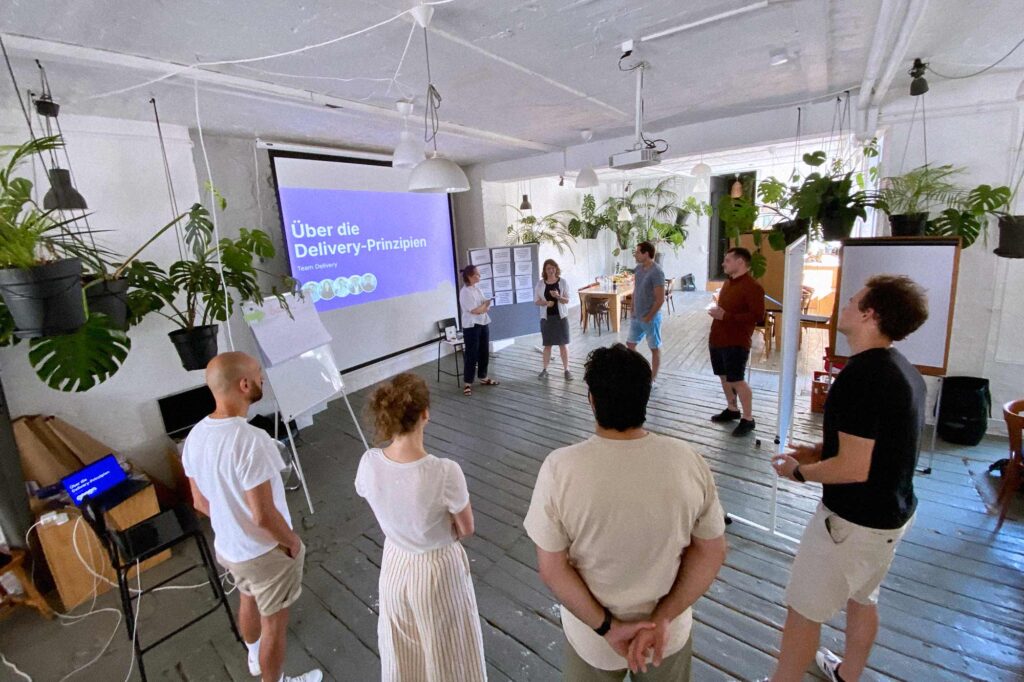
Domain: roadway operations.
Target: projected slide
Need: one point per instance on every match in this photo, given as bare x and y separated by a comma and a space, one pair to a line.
350, 247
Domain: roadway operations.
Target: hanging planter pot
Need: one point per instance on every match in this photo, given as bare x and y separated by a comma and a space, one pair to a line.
908, 224
110, 297
196, 346
1011, 236
793, 229
835, 226
45, 300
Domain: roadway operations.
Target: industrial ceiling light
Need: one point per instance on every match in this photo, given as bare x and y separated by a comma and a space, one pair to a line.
436, 173
409, 152
526, 205
625, 215
62, 195
587, 177
919, 85
702, 172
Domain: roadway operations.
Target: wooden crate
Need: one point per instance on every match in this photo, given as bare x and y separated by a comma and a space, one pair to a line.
74, 582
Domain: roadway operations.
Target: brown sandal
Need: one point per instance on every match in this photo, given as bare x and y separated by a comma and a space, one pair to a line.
489, 382
467, 390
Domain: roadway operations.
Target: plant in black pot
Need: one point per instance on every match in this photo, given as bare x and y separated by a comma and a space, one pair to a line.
550, 229
1011, 225
909, 198
193, 293
589, 223
831, 200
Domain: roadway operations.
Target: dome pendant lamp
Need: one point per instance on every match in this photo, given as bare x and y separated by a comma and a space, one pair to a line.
436, 173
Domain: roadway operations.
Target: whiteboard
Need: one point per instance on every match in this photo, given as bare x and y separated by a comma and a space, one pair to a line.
304, 382
791, 294
932, 262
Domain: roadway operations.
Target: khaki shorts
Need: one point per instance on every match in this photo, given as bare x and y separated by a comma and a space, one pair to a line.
273, 579
838, 562
674, 668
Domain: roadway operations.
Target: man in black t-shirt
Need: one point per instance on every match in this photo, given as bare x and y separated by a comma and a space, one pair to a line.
873, 419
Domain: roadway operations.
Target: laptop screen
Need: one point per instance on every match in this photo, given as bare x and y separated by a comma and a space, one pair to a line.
93, 480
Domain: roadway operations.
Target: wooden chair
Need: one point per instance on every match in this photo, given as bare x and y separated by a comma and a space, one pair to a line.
583, 302
627, 306
669, 301
597, 309
1013, 413
767, 330
15, 565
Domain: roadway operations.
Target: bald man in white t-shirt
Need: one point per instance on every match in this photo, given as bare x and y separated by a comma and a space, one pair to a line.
234, 470
629, 533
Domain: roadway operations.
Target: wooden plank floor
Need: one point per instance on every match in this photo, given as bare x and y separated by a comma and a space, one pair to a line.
952, 607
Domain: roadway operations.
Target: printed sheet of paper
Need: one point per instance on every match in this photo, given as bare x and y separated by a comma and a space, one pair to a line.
282, 336
485, 288
524, 282
502, 269
503, 298
524, 295
480, 256
502, 283
485, 270
523, 253
524, 268
501, 255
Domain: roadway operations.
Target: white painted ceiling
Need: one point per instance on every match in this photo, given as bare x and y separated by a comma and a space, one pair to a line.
523, 75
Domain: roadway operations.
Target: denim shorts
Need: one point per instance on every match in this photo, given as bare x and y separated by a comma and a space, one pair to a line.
638, 329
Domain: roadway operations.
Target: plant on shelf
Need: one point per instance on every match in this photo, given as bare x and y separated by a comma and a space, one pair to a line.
1011, 225
551, 229
41, 258
193, 293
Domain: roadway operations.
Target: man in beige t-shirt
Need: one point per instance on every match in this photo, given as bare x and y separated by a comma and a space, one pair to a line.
629, 533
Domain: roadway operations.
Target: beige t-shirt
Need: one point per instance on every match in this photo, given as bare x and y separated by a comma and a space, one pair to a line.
625, 510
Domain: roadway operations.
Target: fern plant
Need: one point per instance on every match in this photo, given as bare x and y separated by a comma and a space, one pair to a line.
922, 190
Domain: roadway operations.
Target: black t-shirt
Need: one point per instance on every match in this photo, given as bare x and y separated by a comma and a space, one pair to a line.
551, 293
881, 396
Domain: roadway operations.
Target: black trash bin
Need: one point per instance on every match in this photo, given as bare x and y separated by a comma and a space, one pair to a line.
964, 410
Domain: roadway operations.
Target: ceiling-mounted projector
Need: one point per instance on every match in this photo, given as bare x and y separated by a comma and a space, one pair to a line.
635, 158
643, 153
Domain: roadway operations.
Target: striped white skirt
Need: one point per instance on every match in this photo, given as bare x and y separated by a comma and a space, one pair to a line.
429, 627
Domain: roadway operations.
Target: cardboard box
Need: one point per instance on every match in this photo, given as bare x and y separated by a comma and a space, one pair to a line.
50, 448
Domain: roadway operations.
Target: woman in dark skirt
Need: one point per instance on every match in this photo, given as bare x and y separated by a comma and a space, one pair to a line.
552, 297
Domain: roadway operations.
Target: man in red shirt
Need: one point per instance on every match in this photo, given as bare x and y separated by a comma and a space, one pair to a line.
739, 309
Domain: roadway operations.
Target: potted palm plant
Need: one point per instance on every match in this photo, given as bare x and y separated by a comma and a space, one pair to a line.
40, 279
193, 293
551, 229
909, 198
1011, 226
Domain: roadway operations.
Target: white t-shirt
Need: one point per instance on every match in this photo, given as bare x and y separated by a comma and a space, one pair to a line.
471, 298
413, 501
226, 457
625, 510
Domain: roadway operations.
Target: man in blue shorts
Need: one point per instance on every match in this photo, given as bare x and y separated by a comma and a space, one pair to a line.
648, 297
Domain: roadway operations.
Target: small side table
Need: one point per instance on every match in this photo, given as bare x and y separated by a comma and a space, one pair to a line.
32, 598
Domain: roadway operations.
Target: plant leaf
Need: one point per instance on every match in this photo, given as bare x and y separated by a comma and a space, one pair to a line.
77, 362
815, 158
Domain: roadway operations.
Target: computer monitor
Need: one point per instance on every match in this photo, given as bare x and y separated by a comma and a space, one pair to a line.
184, 410
94, 479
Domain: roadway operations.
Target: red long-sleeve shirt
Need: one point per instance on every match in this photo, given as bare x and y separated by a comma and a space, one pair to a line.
742, 299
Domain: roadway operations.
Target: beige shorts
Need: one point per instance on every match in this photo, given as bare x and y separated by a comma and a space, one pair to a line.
273, 579
838, 562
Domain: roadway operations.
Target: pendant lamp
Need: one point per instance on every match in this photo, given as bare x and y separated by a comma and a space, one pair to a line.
586, 177
736, 191
436, 173
409, 151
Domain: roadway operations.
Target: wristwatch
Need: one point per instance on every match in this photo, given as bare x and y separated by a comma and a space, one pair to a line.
606, 625
797, 475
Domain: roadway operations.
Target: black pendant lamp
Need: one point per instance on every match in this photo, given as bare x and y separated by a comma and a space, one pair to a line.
62, 195
526, 205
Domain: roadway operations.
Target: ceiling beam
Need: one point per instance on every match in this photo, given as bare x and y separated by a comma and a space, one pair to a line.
77, 54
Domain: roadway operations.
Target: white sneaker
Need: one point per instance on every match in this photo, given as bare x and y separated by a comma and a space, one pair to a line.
828, 662
311, 676
254, 661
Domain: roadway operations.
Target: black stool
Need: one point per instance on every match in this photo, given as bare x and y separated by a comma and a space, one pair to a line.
144, 540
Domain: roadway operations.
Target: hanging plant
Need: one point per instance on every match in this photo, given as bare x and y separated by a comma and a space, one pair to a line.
551, 229
79, 361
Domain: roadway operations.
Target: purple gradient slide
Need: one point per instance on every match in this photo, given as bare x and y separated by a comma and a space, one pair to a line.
349, 247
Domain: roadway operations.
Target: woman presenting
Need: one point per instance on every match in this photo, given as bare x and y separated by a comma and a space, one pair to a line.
475, 330
552, 295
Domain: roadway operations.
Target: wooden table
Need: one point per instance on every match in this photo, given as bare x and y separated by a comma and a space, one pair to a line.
614, 298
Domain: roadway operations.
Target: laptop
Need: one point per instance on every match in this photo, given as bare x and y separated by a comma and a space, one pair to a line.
104, 482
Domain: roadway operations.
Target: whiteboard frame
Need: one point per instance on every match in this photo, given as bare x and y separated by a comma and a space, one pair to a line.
841, 296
